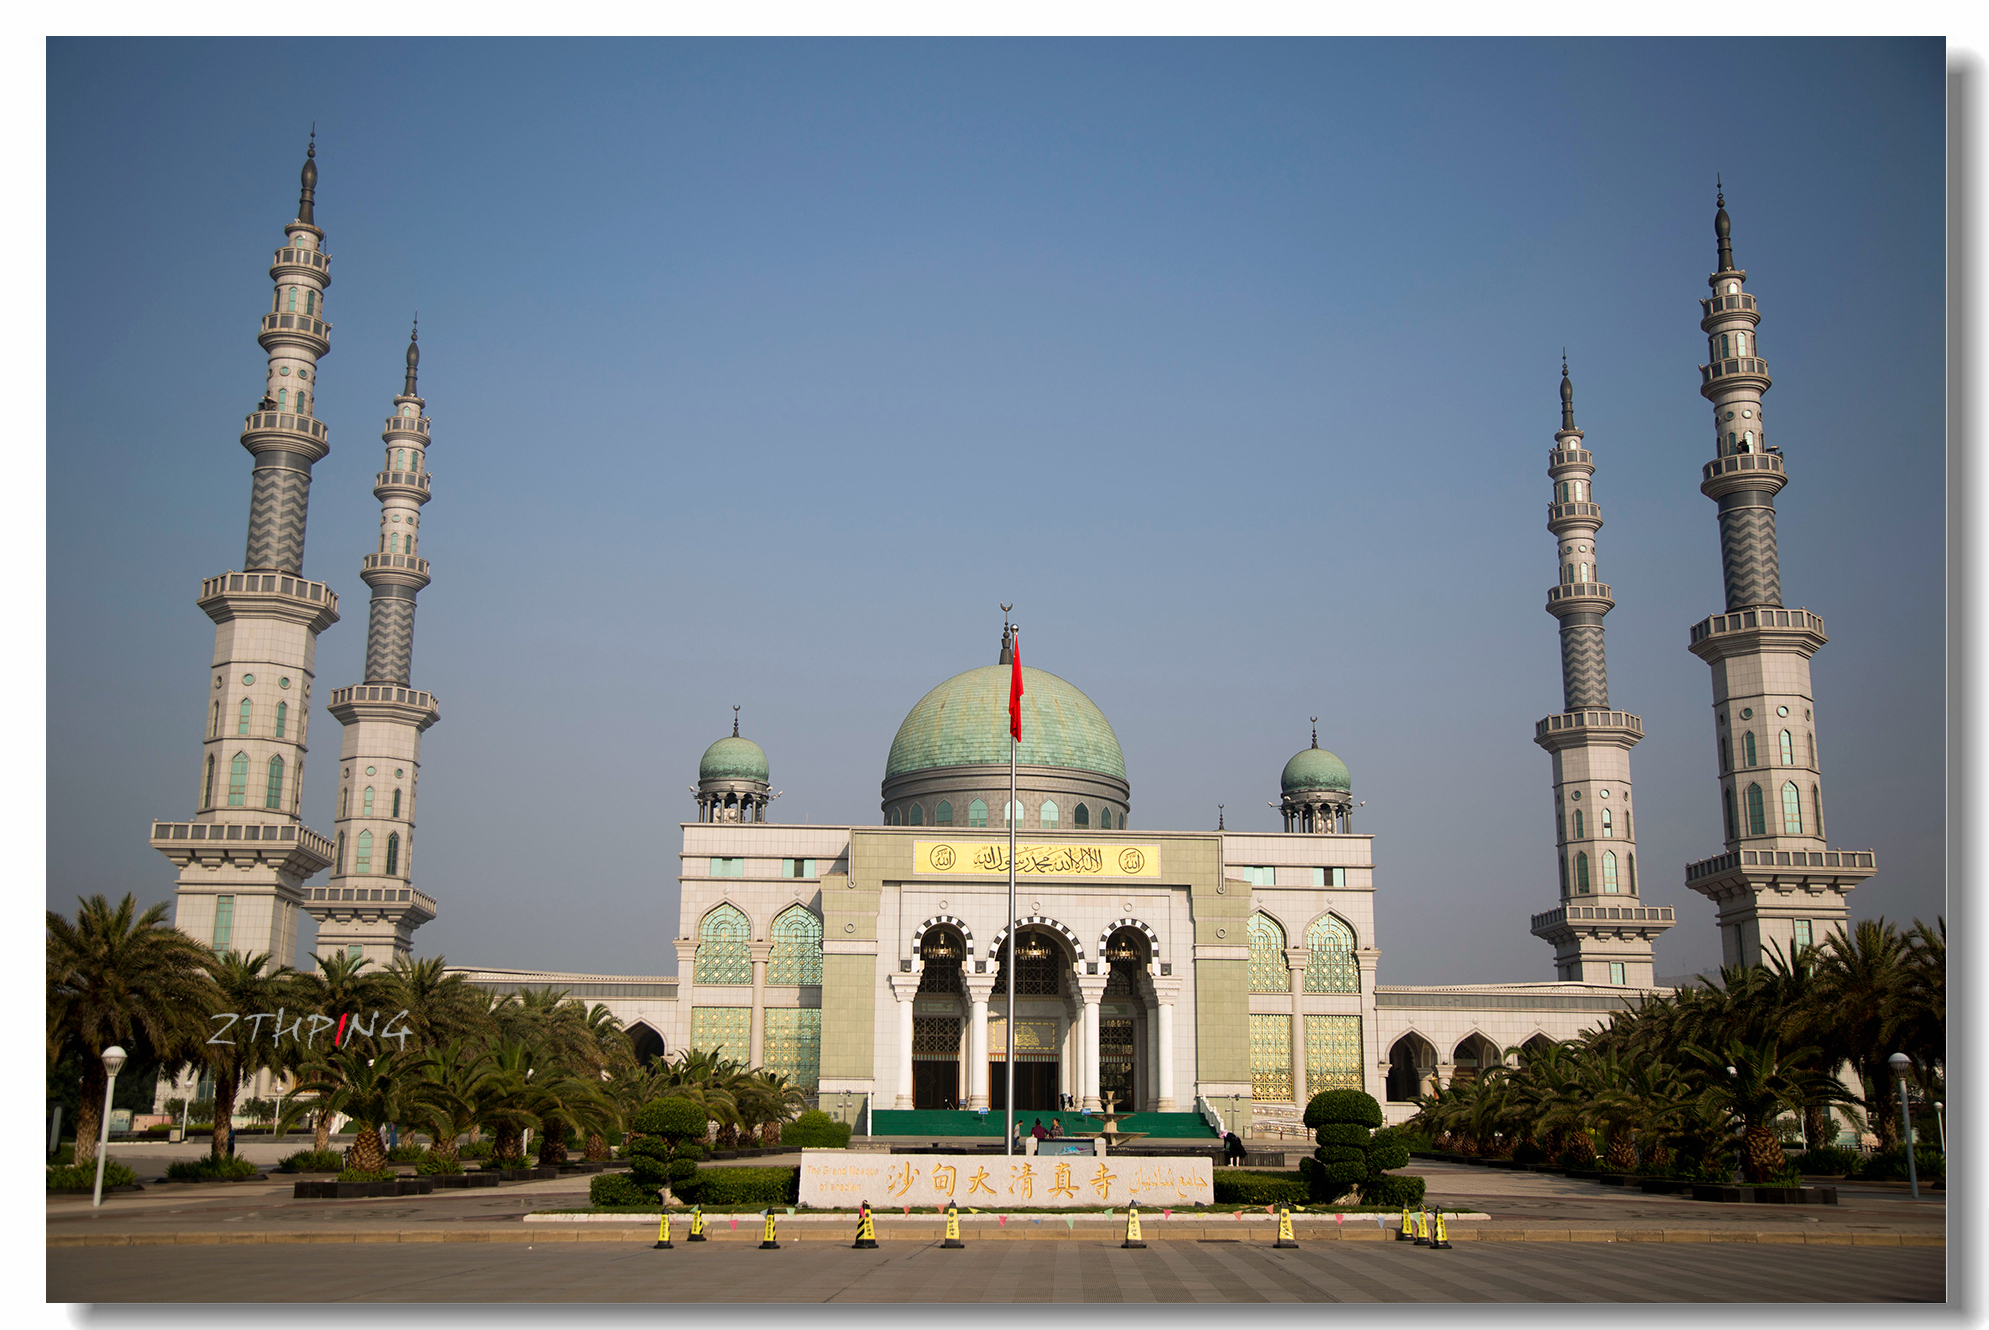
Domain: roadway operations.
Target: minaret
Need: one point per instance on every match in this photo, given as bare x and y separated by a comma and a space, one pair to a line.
369, 907
1602, 932
1777, 885
245, 855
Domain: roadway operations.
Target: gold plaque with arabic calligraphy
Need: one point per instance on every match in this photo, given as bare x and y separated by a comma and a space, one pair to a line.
1036, 860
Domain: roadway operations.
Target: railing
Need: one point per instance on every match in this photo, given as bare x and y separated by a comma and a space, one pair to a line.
1720, 304
1739, 622
1721, 369
415, 479
407, 424
1557, 511
309, 258
1570, 590
1779, 859
370, 895
1575, 720
1209, 1114
303, 323
303, 837
269, 584
1643, 914
383, 693
1560, 457
411, 562
259, 420
1721, 466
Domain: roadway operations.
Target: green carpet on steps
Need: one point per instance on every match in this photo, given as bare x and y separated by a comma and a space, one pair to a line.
933, 1122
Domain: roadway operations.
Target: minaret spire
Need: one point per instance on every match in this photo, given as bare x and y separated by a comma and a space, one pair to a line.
1590, 746
309, 180
413, 357
1771, 783
735, 722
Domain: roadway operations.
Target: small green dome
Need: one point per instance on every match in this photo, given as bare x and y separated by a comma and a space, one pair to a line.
964, 722
1316, 769
733, 758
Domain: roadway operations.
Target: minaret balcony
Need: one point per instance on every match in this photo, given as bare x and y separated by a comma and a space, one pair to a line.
1721, 304
1644, 918
293, 848
311, 261
398, 426
346, 900
1726, 466
277, 595
1753, 367
279, 328
1743, 632
265, 430
1565, 517
414, 563
1563, 596
1575, 729
1561, 459
416, 481
389, 702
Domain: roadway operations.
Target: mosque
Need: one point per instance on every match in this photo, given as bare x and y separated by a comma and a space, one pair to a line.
1230, 974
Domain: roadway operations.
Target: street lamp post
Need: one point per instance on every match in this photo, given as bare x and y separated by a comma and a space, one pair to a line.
113, 1059
1941, 1124
1901, 1064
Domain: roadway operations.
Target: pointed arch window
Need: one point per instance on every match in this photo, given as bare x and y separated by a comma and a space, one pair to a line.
977, 813
242, 718
1049, 815
397, 803
1564, 875
363, 860
366, 802
1726, 804
273, 796
214, 723
916, 817
393, 853
1608, 822
1816, 806
1747, 747
282, 399
293, 301
1792, 810
1609, 885
1269, 972
282, 718
1012, 813
1579, 833
942, 816
338, 857
1081, 818
1757, 819
345, 801
207, 789
1581, 874
1788, 749
238, 781
1633, 873
1330, 968
722, 956
797, 948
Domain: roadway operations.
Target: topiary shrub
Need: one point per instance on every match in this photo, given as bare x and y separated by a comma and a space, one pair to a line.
77, 1177
405, 1154
666, 1145
1393, 1190
815, 1130
367, 1175
312, 1161
617, 1189
1238, 1186
1351, 1153
474, 1150
744, 1186
228, 1168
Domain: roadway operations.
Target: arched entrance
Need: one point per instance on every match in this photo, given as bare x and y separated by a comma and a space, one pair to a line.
648, 1044
1473, 1057
937, 1020
1042, 1021
1125, 1026
1411, 1065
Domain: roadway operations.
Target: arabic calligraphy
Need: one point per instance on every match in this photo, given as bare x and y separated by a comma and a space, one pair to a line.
1067, 860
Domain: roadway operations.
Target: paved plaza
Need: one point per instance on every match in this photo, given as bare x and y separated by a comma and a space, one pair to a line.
1207, 1271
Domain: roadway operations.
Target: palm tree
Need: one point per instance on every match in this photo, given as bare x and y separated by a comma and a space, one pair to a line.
1864, 993
113, 974
1753, 1084
446, 1100
440, 1006
369, 1090
339, 987
248, 985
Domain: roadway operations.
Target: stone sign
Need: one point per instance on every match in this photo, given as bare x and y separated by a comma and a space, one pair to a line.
844, 1178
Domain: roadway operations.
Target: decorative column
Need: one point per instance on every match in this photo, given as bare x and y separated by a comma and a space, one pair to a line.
244, 856
979, 989
1778, 883
759, 951
905, 987
1166, 997
1295, 960
1091, 990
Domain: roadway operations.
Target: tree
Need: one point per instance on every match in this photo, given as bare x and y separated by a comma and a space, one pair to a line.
249, 987
370, 1090
1351, 1154
446, 1101
114, 974
1865, 994
1753, 1084
340, 986
440, 1006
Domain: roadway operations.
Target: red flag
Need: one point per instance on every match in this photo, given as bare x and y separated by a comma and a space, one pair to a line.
1015, 691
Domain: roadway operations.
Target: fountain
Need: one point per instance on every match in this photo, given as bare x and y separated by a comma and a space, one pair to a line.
1112, 1136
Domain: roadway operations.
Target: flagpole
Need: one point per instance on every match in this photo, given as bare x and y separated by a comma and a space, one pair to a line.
1008, 1137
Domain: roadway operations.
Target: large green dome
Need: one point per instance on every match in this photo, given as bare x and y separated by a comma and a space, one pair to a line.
733, 758
1316, 769
964, 722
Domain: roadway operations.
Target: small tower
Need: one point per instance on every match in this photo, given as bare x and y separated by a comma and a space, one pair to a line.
1778, 885
370, 908
245, 855
1317, 791
732, 780
1602, 931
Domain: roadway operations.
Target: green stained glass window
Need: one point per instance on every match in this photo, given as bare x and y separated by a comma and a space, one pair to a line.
797, 948
1757, 818
722, 957
224, 922
916, 817
366, 802
1792, 810
943, 815
1581, 874
393, 852
242, 718
792, 1045
1609, 872
723, 1028
1747, 746
1049, 814
273, 796
1331, 967
977, 813
1268, 971
1270, 1059
363, 863
207, 789
1081, 818
238, 781
282, 718
1333, 1057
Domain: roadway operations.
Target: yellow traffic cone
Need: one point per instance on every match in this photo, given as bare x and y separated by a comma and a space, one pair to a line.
1285, 1237
767, 1242
697, 1225
866, 1228
953, 1227
663, 1242
1406, 1233
1132, 1227
1442, 1240
1422, 1229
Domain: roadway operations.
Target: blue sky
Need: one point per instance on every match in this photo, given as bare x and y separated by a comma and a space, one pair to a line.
762, 371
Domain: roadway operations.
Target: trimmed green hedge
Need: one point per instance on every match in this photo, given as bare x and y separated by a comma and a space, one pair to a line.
617, 1189
209, 1169
744, 1186
1236, 1186
431, 1164
367, 1175
73, 1176
674, 1119
1392, 1189
312, 1161
815, 1130
405, 1154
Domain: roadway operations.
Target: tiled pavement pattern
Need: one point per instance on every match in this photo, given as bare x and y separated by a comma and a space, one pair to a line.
1004, 1272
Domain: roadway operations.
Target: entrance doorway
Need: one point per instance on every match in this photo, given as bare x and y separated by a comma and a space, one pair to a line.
1035, 1085
1116, 1062
935, 1084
